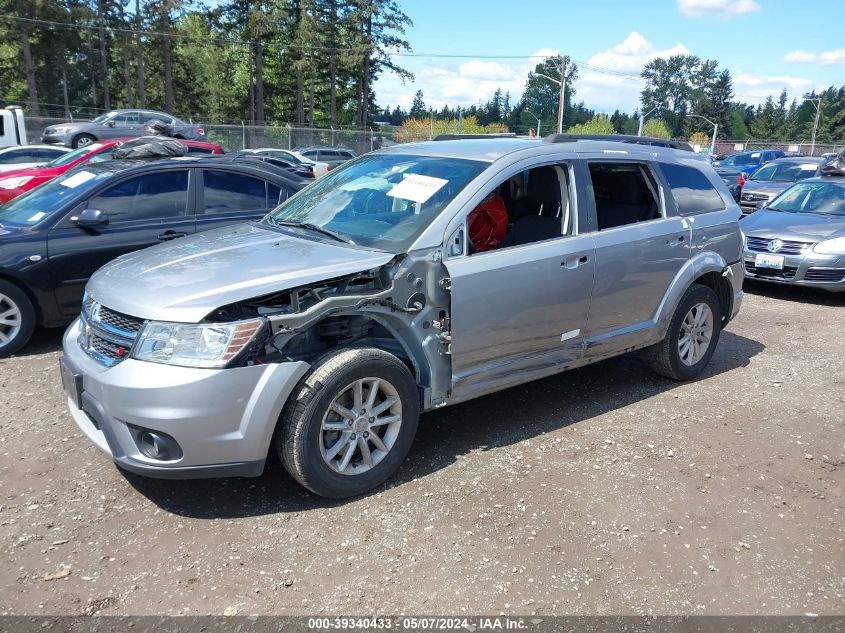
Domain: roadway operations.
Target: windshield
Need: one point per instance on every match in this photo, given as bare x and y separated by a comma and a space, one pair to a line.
66, 159
788, 172
104, 117
382, 201
32, 207
741, 159
827, 198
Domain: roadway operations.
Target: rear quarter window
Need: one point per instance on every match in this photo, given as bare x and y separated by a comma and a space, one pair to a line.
692, 190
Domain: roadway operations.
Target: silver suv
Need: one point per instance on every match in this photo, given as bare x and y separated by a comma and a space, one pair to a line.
412, 278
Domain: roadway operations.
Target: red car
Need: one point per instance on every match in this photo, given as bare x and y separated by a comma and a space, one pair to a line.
14, 183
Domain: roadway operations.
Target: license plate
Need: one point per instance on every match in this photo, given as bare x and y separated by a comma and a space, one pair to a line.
768, 261
72, 382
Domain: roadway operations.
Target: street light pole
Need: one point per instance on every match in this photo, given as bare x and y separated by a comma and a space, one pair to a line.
642, 120
539, 121
715, 129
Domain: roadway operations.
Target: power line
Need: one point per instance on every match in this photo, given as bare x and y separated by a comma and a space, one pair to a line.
323, 49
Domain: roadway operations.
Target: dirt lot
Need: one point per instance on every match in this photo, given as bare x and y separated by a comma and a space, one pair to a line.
606, 490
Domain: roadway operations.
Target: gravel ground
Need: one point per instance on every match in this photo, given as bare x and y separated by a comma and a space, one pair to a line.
605, 490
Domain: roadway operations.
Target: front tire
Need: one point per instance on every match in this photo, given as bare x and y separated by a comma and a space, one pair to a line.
17, 319
692, 336
350, 422
82, 140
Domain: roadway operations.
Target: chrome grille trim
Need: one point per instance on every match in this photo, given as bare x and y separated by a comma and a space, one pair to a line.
760, 245
105, 332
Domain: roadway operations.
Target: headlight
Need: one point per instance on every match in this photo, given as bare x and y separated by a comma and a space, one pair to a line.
14, 183
836, 246
189, 345
59, 130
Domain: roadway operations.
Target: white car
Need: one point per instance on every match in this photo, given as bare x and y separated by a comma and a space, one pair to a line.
22, 156
320, 168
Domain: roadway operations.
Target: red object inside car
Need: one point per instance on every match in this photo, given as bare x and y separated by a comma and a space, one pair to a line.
487, 223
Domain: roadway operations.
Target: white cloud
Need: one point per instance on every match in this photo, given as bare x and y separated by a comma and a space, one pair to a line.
720, 9
799, 56
833, 57
619, 85
755, 88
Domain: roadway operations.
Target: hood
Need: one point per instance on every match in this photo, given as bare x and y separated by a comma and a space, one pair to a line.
800, 227
70, 125
769, 188
186, 279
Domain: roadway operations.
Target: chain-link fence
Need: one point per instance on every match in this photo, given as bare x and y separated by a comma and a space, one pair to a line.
235, 137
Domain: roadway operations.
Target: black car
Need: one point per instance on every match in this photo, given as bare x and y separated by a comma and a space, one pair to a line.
298, 169
54, 237
731, 168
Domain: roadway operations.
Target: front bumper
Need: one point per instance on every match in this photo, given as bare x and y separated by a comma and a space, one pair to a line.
65, 139
222, 419
809, 270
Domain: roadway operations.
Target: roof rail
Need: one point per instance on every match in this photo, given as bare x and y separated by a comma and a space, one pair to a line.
619, 138
459, 137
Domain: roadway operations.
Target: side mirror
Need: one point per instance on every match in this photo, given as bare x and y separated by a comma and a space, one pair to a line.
109, 123
90, 217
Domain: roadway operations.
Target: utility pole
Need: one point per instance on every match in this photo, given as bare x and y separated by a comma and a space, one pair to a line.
562, 98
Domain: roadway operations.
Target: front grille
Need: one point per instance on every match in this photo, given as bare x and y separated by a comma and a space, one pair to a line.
117, 320
107, 336
761, 245
754, 197
106, 348
825, 274
787, 273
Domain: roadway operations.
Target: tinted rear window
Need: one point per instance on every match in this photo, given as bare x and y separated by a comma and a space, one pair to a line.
691, 189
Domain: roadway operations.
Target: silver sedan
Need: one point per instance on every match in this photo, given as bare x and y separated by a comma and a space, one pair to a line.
799, 238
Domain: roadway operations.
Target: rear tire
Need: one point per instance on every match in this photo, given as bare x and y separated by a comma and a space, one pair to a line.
81, 140
17, 319
349, 424
691, 338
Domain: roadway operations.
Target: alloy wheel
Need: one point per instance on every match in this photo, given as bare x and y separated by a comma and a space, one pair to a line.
10, 319
360, 426
696, 334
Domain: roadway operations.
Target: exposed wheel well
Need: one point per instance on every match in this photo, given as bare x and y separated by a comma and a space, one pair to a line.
723, 289
346, 331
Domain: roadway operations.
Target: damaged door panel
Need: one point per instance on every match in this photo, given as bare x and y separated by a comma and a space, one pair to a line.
519, 312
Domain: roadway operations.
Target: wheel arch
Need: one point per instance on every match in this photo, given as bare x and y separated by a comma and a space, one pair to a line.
706, 268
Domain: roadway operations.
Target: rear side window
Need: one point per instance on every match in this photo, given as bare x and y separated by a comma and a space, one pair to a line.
624, 194
192, 149
691, 189
226, 191
161, 195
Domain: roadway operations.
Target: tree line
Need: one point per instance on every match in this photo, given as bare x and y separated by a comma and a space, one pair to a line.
315, 63
308, 62
674, 89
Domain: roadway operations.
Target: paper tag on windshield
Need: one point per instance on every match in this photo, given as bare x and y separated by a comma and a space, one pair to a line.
77, 179
417, 188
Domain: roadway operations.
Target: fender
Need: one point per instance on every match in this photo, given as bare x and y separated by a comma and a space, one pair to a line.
698, 265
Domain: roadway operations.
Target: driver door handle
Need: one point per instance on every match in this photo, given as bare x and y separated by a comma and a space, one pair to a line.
575, 260
170, 234
676, 241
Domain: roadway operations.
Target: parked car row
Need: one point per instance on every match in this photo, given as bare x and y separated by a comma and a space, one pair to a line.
798, 235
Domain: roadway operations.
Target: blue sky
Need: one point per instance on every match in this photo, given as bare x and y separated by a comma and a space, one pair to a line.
768, 45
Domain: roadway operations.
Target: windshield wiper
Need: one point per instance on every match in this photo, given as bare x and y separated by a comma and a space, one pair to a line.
312, 227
